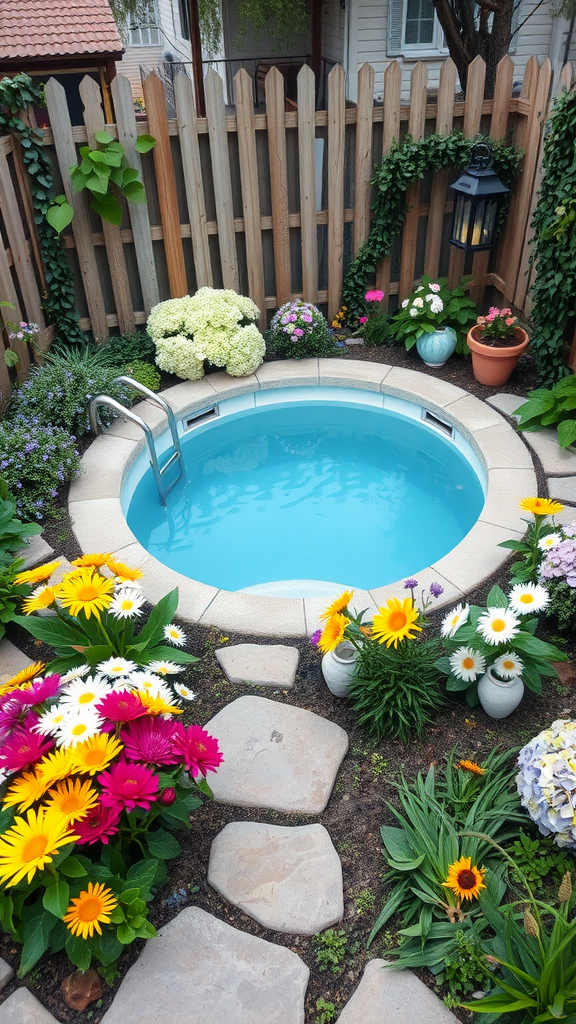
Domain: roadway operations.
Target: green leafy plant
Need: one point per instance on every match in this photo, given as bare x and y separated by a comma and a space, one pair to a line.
464, 967
100, 169
35, 461
14, 534
129, 347
143, 373
539, 861
327, 1012
540, 536
11, 594
379, 330
554, 407
365, 901
331, 949
283, 21
431, 306
562, 607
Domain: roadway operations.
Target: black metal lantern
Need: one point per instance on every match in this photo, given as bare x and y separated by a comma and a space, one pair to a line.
479, 193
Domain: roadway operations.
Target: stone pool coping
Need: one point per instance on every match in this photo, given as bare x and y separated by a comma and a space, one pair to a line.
99, 524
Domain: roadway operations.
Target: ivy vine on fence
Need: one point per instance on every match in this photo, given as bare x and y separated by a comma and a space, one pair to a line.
553, 292
406, 162
17, 94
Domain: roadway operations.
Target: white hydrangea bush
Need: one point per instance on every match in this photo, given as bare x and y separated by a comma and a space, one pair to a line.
210, 325
547, 781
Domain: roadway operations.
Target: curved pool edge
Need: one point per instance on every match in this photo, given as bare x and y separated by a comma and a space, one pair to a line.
99, 524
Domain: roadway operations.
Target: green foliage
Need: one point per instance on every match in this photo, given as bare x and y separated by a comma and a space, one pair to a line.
525, 569
379, 330
10, 595
539, 861
464, 966
331, 949
552, 293
14, 534
327, 1011
17, 94
145, 374
562, 605
35, 461
306, 335
458, 311
406, 162
127, 347
551, 408
282, 21
365, 901
396, 692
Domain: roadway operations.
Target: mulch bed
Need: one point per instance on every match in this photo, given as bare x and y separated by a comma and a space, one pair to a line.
358, 805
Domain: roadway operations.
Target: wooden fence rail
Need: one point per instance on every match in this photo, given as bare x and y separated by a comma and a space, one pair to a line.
273, 204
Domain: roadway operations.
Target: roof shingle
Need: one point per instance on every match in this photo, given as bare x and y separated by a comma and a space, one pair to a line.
56, 28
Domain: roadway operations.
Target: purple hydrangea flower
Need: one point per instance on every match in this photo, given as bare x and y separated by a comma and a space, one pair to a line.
410, 584
436, 589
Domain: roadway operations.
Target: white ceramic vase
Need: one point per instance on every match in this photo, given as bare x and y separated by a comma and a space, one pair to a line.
498, 697
338, 667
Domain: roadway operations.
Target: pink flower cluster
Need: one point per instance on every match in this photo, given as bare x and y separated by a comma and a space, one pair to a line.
560, 561
373, 295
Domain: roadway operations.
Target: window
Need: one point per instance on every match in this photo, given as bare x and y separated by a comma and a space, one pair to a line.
413, 29
144, 30
419, 23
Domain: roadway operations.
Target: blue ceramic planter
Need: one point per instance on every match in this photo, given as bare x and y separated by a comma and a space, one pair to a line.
436, 348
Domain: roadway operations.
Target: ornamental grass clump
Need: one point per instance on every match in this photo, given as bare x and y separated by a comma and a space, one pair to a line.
215, 326
298, 329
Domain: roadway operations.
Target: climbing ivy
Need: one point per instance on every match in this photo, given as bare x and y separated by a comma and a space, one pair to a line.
406, 162
17, 94
553, 292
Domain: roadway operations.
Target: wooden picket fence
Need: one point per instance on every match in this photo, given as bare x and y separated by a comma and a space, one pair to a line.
232, 198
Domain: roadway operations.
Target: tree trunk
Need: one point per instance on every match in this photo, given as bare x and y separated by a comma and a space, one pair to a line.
467, 37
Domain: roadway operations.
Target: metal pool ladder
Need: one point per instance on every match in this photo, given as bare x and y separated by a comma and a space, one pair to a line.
176, 454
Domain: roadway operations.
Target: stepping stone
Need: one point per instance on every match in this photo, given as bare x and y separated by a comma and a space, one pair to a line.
393, 997
6, 973
202, 970
562, 488
259, 664
287, 879
506, 403
12, 661
566, 516
23, 1008
275, 756
556, 461
35, 552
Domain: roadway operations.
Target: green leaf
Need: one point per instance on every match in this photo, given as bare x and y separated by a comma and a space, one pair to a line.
407, 865
11, 358
56, 898
125, 934
496, 598
163, 844
106, 947
59, 217
108, 208
37, 929
160, 616
566, 433
514, 545
143, 873
78, 951
72, 868
103, 138
144, 143
146, 931
134, 191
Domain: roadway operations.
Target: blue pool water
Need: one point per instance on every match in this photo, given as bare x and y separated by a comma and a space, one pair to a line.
316, 490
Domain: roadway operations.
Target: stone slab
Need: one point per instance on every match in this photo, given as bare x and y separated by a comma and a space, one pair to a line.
259, 664
12, 661
506, 403
202, 970
235, 611
566, 516
562, 488
103, 467
286, 878
477, 556
352, 374
555, 460
6, 973
421, 388
393, 997
23, 1008
35, 552
287, 373
275, 756
99, 524
501, 448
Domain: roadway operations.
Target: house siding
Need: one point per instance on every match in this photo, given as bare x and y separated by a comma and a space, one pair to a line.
134, 57
333, 31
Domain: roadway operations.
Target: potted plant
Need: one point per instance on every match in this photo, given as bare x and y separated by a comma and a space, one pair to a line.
496, 342
434, 319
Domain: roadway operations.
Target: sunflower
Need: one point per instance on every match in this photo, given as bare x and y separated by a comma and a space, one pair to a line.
31, 843
73, 799
40, 598
85, 591
333, 633
33, 670
395, 621
464, 879
89, 910
124, 572
471, 766
94, 755
541, 506
338, 605
25, 790
38, 575
95, 561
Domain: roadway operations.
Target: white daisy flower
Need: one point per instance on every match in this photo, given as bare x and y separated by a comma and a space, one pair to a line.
164, 668
75, 673
174, 635
184, 692
549, 541
498, 625
126, 603
467, 664
123, 683
528, 597
78, 727
116, 667
83, 693
456, 618
51, 720
508, 665
152, 684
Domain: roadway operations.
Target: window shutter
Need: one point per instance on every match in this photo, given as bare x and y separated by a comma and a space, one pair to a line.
395, 22
515, 22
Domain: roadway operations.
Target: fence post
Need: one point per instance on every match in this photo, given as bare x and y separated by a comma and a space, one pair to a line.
444, 123
416, 127
244, 96
472, 116
306, 166
221, 176
336, 108
274, 88
390, 134
192, 170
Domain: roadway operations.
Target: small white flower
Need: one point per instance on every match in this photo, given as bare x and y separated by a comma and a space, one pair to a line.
467, 664
413, 312
508, 665
75, 673
497, 625
405, 303
436, 306
126, 603
51, 720
174, 635
184, 692
122, 683
85, 692
78, 727
164, 668
152, 684
434, 287
116, 667
454, 619
549, 541
419, 303
528, 597
420, 288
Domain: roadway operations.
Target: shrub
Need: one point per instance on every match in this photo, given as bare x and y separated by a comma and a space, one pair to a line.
145, 374
129, 347
298, 329
35, 460
465, 968
538, 861
14, 534
551, 408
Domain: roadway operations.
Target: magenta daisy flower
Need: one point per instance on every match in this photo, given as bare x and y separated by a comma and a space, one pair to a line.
99, 824
150, 740
198, 749
40, 691
120, 706
22, 749
128, 785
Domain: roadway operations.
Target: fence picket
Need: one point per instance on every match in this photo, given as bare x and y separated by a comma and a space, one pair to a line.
472, 116
81, 228
444, 122
166, 184
14, 315
20, 255
192, 171
306, 166
139, 219
363, 159
336, 106
274, 88
221, 177
416, 127
390, 134
244, 96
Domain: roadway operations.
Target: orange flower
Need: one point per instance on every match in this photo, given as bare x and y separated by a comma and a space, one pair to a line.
471, 766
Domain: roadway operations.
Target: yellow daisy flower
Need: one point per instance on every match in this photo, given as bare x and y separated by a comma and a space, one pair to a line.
31, 844
124, 572
38, 575
33, 670
157, 705
464, 879
338, 605
541, 506
93, 755
54, 766
89, 910
85, 591
333, 633
25, 790
96, 561
395, 621
73, 799
42, 597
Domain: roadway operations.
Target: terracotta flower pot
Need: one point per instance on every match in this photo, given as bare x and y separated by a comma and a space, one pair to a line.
493, 365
